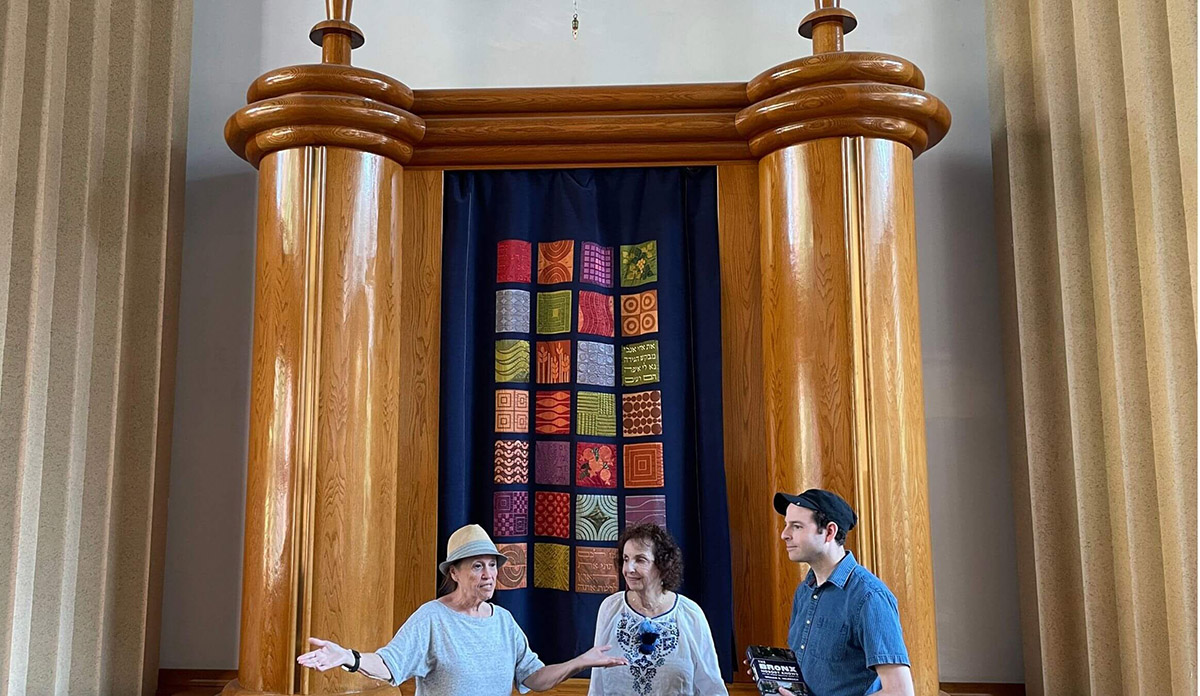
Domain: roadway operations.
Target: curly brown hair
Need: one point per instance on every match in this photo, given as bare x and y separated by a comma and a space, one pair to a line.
668, 557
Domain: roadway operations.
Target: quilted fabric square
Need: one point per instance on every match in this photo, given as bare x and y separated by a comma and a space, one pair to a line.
556, 261
651, 509
512, 360
512, 311
513, 261
596, 517
639, 313
510, 513
552, 463
597, 265
554, 312
639, 263
512, 461
639, 363
596, 414
596, 363
553, 413
594, 570
552, 514
644, 465
512, 411
641, 414
552, 566
596, 465
511, 575
553, 362
595, 313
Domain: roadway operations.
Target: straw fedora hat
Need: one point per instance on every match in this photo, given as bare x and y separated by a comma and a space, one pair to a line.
469, 541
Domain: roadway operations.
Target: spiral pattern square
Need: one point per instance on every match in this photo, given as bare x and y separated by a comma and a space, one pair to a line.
511, 575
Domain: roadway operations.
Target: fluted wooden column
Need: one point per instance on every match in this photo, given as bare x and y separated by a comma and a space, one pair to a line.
93, 117
843, 408
329, 141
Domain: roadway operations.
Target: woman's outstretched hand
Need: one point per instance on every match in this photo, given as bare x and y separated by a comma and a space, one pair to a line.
327, 655
596, 658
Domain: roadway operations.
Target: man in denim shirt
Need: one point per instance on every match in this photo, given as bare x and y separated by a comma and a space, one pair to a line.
845, 627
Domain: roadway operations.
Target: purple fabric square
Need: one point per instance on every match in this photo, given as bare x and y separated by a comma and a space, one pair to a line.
646, 508
511, 513
597, 265
552, 463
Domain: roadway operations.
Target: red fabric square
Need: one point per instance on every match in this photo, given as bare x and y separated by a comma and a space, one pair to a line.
553, 413
513, 261
596, 465
595, 313
552, 514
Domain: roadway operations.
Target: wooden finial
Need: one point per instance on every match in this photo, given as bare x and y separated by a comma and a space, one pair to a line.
826, 25
338, 9
336, 35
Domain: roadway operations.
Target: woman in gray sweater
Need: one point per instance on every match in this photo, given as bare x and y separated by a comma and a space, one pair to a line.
460, 643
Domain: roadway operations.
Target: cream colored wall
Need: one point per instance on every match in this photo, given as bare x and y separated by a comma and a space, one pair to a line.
483, 43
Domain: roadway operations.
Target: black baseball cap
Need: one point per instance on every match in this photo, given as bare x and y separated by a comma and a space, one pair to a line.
828, 502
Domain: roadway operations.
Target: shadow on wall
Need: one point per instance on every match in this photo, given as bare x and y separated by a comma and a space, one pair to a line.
970, 483
205, 511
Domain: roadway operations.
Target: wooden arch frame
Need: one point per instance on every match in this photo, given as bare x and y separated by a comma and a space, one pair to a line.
815, 205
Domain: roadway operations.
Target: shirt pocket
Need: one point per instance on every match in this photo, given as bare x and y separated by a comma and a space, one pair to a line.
829, 638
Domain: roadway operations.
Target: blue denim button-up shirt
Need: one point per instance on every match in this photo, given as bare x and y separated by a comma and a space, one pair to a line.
841, 630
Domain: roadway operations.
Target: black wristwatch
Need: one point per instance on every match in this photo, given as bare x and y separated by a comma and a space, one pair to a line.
354, 667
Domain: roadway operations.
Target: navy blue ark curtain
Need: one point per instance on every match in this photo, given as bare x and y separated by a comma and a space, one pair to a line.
581, 385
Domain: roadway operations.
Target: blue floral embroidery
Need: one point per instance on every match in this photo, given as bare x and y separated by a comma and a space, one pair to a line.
645, 667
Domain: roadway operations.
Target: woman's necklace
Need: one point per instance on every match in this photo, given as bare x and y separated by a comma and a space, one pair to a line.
652, 610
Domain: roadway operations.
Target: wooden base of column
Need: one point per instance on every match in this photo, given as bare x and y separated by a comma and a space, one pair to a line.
233, 688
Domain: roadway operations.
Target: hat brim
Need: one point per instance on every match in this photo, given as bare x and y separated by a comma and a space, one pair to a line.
470, 550
784, 500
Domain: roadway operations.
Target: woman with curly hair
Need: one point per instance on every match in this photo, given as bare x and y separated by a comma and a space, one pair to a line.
663, 635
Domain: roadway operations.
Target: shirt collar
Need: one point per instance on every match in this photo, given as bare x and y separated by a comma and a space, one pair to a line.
840, 574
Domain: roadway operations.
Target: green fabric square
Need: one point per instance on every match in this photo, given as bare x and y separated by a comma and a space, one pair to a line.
639, 263
596, 414
554, 312
512, 361
639, 363
596, 517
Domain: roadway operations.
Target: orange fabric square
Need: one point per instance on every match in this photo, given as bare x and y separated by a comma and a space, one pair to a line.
553, 362
553, 413
639, 313
512, 411
556, 261
644, 465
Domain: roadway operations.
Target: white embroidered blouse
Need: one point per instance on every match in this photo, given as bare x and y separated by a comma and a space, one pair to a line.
681, 661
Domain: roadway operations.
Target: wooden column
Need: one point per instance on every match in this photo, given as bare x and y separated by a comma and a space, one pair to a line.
329, 141
837, 133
